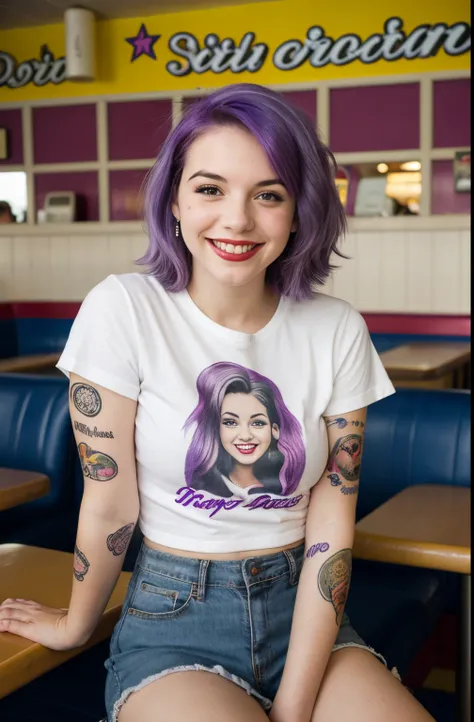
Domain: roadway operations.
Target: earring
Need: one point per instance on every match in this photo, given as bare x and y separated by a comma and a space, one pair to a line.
176, 231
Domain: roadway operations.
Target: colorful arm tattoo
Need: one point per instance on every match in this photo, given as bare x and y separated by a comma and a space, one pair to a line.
96, 465
81, 564
333, 581
118, 542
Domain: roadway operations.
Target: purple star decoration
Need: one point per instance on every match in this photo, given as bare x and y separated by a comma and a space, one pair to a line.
143, 44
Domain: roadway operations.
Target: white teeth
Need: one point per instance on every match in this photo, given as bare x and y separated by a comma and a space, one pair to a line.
230, 248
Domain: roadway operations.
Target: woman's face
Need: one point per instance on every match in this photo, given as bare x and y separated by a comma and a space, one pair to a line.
245, 429
235, 214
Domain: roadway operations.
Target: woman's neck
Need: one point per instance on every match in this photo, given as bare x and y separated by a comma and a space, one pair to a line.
240, 308
242, 475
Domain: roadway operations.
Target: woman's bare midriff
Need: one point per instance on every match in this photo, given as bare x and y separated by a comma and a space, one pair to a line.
230, 556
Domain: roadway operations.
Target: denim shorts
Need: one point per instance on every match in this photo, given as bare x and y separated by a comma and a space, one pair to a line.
232, 618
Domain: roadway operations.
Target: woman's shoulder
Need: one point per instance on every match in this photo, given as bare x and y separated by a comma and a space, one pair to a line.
325, 310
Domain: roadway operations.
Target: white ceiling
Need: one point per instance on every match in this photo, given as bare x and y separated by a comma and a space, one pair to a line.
26, 13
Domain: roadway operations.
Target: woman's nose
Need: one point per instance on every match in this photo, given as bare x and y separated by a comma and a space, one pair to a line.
237, 217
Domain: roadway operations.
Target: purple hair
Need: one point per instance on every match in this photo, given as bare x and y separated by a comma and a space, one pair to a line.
213, 384
304, 164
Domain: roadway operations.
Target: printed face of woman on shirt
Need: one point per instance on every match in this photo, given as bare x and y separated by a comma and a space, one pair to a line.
245, 429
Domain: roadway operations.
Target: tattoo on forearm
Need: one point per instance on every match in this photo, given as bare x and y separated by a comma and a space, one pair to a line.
341, 423
96, 465
319, 547
85, 429
118, 542
86, 399
333, 581
335, 481
81, 564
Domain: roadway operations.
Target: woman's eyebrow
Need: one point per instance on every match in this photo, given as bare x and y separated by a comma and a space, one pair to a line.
230, 413
221, 179
259, 414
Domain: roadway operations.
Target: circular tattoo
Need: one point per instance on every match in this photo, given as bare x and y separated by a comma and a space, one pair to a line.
96, 465
346, 456
86, 399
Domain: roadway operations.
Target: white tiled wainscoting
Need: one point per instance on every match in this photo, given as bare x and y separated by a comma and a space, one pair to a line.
393, 267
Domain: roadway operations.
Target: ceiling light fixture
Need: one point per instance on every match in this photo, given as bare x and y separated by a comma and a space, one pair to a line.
79, 25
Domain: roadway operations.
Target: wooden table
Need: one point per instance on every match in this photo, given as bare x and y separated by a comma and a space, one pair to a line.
45, 576
18, 487
427, 526
25, 364
430, 365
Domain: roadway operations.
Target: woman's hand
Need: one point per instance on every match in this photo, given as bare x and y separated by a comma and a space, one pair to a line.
284, 712
41, 624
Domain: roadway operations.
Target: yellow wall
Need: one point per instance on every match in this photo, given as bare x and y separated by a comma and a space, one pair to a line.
272, 22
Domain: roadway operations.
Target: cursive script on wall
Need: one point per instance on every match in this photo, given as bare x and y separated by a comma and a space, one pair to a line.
39, 72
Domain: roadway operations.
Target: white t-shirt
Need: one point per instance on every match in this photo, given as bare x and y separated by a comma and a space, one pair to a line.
229, 431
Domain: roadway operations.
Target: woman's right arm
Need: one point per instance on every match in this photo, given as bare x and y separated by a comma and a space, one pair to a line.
104, 426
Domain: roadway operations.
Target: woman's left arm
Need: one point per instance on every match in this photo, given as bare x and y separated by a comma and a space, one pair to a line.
324, 582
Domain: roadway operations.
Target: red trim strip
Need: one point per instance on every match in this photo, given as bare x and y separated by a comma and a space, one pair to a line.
390, 323
418, 324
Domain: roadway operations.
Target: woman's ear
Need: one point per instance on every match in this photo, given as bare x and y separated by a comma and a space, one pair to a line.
175, 210
294, 225
275, 432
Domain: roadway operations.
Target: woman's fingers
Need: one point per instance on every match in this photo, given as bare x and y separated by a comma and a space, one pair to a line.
15, 613
14, 626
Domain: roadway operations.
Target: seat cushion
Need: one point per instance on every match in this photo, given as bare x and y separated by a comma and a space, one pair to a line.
394, 608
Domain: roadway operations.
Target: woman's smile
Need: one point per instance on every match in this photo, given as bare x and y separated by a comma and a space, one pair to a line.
246, 448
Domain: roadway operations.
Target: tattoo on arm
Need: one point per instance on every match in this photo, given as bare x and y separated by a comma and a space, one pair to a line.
96, 465
345, 460
333, 581
81, 564
86, 399
118, 542
341, 423
319, 547
85, 429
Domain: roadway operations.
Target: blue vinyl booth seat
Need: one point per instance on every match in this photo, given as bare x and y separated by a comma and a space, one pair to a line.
36, 435
413, 437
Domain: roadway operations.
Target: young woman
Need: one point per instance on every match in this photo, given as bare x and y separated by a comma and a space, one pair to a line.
235, 610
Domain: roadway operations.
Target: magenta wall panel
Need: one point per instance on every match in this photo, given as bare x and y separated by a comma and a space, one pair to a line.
375, 117
137, 129
11, 121
444, 198
305, 100
64, 134
452, 113
125, 194
84, 184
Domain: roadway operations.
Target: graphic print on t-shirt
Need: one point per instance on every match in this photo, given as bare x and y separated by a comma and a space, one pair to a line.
245, 440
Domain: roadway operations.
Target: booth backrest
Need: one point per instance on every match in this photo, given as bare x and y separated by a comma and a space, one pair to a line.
36, 435
415, 437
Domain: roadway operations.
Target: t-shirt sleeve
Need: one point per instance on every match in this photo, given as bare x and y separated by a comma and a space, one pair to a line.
360, 378
102, 344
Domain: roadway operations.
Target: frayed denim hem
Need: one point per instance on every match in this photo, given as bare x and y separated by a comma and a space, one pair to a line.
394, 670
217, 669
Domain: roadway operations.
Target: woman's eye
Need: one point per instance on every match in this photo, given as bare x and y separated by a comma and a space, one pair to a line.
259, 423
208, 190
229, 422
268, 196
